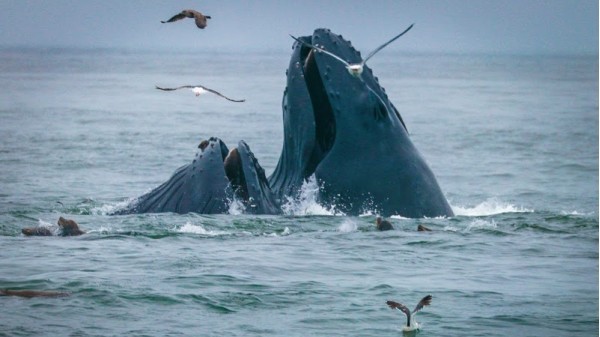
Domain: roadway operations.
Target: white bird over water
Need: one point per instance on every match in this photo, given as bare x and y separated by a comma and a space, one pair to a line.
199, 90
355, 69
411, 324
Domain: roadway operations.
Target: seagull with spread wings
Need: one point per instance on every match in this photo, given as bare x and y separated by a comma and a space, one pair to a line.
199, 90
411, 324
190, 13
355, 69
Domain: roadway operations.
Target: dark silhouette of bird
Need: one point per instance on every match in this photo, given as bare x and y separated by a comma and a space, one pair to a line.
190, 13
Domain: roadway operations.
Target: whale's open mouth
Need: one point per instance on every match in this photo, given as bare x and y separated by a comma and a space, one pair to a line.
325, 125
247, 180
234, 171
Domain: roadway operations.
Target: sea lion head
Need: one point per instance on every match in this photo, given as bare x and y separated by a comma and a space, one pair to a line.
69, 227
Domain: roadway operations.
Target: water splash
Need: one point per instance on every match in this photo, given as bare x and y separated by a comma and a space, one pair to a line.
306, 203
348, 225
51, 227
481, 224
107, 209
236, 207
489, 207
474, 225
189, 227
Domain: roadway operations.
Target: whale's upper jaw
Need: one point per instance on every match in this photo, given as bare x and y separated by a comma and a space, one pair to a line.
339, 100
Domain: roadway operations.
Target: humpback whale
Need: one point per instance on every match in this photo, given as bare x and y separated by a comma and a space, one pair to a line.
340, 128
209, 183
345, 131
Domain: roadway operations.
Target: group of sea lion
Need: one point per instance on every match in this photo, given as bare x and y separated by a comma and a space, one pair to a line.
66, 227
384, 225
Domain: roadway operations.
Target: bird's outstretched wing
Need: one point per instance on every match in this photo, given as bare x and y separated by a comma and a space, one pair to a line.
171, 89
176, 17
220, 94
321, 50
425, 301
385, 44
399, 306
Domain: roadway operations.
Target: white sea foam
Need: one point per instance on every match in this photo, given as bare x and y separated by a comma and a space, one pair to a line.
51, 227
43, 223
110, 208
189, 227
475, 224
306, 203
489, 207
480, 223
236, 207
413, 328
348, 225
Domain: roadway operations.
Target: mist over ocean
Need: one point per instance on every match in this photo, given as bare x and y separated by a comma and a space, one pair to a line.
512, 140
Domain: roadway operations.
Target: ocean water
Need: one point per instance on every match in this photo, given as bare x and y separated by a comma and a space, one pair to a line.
513, 141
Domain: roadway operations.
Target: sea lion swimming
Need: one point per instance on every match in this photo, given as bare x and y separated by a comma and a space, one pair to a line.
66, 227
36, 231
411, 324
421, 228
383, 225
32, 293
69, 227
198, 17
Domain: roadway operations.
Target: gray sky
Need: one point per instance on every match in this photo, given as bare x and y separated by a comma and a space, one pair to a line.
488, 26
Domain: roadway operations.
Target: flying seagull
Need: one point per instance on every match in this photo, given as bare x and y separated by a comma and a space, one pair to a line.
355, 69
199, 90
190, 13
410, 315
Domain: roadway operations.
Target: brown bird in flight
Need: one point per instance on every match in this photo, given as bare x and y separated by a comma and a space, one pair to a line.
190, 13
199, 90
